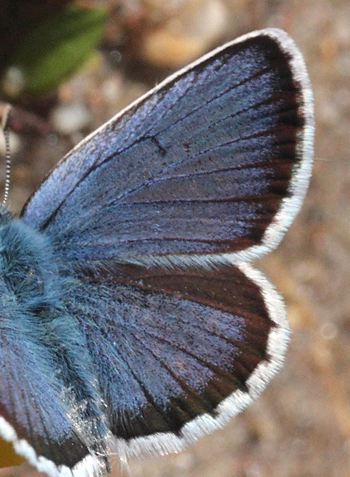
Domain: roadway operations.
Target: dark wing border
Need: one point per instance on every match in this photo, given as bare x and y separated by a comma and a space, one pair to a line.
163, 443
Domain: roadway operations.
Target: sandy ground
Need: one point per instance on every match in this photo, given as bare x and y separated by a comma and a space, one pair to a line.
300, 427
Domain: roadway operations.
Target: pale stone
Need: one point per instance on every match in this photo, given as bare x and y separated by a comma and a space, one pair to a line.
187, 35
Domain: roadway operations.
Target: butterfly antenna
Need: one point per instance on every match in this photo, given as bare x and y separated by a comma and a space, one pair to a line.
4, 113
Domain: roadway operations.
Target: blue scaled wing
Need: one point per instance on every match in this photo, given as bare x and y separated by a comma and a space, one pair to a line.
156, 214
178, 352
216, 160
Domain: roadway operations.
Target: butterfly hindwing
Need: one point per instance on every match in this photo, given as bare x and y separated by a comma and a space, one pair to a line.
170, 346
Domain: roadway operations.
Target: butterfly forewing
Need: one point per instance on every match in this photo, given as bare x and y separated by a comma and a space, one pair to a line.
201, 165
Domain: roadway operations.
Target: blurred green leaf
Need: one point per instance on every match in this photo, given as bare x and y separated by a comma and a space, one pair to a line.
57, 48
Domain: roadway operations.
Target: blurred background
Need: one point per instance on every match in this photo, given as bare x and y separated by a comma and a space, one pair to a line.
115, 50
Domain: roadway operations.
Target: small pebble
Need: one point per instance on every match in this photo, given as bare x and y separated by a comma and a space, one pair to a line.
187, 36
70, 118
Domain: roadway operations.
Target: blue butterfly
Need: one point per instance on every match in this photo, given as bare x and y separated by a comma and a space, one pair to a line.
131, 318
